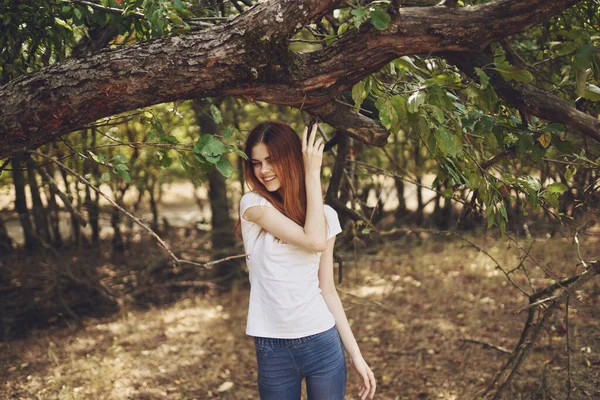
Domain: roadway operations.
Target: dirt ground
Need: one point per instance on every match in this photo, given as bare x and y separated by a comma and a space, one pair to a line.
411, 302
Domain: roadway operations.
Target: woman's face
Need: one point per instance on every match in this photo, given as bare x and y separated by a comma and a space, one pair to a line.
263, 169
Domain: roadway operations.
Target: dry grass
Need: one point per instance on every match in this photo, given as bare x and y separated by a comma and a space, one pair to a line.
409, 305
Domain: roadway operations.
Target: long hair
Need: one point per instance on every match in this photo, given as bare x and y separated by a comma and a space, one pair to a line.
285, 152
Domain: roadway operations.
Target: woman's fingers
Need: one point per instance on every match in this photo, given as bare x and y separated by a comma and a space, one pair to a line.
304, 138
310, 142
313, 134
318, 144
366, 387
373, 383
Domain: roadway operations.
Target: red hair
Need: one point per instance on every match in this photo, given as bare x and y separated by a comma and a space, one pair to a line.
285, 152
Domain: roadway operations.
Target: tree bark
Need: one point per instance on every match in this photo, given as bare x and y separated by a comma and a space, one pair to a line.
249, 57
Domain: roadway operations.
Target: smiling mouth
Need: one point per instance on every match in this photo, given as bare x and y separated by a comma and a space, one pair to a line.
271, 179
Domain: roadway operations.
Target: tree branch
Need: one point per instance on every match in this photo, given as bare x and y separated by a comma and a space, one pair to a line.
528, 97
247, 57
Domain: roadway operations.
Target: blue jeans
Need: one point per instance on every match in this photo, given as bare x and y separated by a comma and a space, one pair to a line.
283, 363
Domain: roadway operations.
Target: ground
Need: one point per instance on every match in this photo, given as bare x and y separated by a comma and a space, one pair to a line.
411, 303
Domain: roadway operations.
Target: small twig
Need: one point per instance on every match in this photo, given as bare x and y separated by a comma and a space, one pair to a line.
352, 105
537, 303
578, 251
487, 345
208, 264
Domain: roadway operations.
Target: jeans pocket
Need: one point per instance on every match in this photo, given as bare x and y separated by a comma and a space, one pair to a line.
261, 352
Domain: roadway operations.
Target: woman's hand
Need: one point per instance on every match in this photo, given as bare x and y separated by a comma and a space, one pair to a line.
367, 379
312, 151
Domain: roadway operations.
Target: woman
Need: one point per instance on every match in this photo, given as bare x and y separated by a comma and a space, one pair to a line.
295, 314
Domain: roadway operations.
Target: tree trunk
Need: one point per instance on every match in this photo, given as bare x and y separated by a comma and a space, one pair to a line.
75, 228
153, 203
53, 209
5, 240
91, 202
21, 203
38, 210
118, 245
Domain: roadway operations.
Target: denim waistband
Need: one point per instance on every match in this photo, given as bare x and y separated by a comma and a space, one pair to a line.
276, 342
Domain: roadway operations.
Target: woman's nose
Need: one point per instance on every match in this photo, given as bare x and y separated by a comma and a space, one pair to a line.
265, 168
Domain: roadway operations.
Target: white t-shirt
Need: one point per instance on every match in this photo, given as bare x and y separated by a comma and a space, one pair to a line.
285, 298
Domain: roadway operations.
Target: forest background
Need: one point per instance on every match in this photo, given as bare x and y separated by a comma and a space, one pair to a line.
462, 159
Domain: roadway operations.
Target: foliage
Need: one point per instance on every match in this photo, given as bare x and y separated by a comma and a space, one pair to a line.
452, 123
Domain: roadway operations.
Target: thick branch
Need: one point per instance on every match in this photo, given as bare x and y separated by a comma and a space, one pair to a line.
528, 97
247, 57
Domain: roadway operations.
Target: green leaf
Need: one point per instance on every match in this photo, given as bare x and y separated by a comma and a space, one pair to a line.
239, 152
484, 79
359, 16
124, 174
216, 114
416, 100
387, 114
525, 143
448, 143
511, 72
120, 158
552, 198
447, 193
489, 213
580, 83
502, 226
437, 113
583, 58
359, 12
563, 48
557, 187
224, 167
105, 177
208, 145
121, 167
342, 28
592, 92
405, 63
530, 183
228, 132
165, 160
359, 94
380, 19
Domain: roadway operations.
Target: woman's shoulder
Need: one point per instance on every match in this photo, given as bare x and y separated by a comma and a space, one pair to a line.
254, 198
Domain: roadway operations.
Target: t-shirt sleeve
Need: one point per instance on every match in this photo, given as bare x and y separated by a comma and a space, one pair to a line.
333, 222
252, 199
